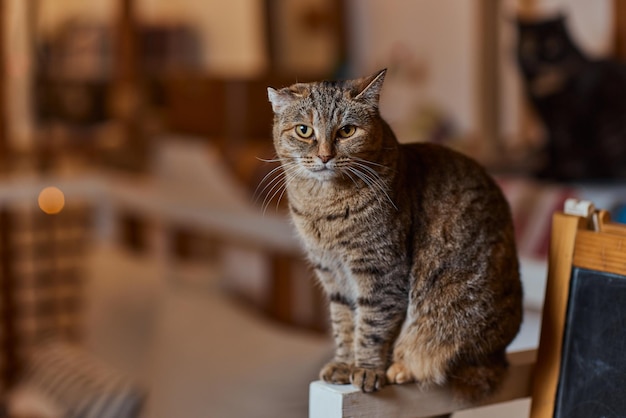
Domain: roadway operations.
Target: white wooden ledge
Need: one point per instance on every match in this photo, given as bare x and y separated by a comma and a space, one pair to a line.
407, 401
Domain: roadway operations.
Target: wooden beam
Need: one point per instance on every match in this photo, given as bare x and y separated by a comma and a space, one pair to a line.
281, 288
619, 29
408, 401
564, 231
488, 82
8, 350
127, 92
4, 149
126, 43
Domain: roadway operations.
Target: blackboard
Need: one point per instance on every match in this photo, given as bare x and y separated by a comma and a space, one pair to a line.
592, 378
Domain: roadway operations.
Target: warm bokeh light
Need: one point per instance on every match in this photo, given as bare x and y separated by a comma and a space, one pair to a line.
51, 200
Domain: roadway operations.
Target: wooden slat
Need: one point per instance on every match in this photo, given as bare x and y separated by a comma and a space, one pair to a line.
7, 297
4, 148
489, 72
619, 29
280, 297
128, 99
601, 251
564, 231
408, 401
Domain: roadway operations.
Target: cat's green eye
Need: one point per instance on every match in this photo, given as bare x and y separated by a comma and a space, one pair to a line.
304, 131
346, 131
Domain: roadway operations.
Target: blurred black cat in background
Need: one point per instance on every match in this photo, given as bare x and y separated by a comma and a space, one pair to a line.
581, 102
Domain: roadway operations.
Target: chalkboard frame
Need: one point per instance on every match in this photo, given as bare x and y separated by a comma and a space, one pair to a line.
592, 243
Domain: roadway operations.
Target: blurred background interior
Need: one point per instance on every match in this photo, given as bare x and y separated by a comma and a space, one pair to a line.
141, 273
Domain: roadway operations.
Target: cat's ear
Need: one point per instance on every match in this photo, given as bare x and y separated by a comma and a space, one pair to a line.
278, 98
282, 98
367, 89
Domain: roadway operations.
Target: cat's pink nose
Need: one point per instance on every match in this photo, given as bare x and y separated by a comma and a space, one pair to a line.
325, 158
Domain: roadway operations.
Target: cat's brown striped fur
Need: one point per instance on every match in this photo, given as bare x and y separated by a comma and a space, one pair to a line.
413, 244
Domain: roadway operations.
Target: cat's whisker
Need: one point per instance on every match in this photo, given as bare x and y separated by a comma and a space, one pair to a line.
277, 185
376, 181
266, 204
368, 181
378, 185
287, 182
279, 190
280, 169
276, 173
347, 173
282, 187
264, 160
281, 196
289, 161
370, 170
273, 158
362, 160
272, 193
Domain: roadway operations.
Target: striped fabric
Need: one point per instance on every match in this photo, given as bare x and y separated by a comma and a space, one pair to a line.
81, 385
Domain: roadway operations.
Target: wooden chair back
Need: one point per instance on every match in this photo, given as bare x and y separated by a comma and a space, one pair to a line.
573, 332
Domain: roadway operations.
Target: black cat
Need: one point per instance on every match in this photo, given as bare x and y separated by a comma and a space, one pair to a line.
581, 102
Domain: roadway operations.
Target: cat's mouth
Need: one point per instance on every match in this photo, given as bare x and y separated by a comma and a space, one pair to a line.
320, 168
323, 172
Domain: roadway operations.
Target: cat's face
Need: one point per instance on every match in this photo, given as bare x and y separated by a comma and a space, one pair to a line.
327, 130
543, 45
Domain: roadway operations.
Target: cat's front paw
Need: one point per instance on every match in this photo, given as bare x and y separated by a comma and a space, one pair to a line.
336, 372
398, 373
368, 379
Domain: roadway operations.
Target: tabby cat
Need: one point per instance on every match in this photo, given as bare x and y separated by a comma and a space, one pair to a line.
413, 244
581, 102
